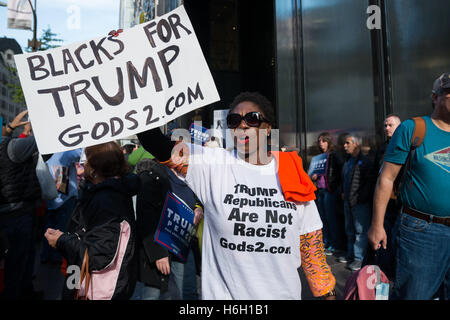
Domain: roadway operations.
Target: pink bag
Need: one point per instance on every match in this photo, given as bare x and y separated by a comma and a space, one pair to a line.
368, 283
101, 284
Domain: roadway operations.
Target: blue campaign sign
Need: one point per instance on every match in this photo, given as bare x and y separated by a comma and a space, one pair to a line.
176, 226
318, 164
199, 134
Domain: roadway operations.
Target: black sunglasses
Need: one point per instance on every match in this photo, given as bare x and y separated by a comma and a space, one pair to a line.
252, 119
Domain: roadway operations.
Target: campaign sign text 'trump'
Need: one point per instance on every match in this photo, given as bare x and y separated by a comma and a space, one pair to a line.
176, 226
318, 164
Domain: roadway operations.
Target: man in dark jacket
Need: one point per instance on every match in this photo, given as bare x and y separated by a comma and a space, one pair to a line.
20, 195
391, 123
386, 258
358, 183
155, 262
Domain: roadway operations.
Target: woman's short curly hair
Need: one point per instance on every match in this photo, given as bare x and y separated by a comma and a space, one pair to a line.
261, 101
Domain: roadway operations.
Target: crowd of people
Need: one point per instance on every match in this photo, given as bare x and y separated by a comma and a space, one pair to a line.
260, 216
346, 188
395, 214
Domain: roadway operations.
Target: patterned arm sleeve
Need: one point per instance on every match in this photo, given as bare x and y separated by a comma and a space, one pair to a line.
314, 264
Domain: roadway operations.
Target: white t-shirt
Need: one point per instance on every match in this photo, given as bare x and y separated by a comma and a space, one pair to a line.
251, 235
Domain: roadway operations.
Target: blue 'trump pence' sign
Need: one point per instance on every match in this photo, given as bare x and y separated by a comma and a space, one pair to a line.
318, 164
176, 226
199, 134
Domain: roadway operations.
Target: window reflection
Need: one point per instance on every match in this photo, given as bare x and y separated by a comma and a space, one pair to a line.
338, 76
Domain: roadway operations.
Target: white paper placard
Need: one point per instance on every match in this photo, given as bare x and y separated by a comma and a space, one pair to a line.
113, 87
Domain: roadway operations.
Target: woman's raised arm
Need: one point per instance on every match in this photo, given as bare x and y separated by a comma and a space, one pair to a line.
174, 155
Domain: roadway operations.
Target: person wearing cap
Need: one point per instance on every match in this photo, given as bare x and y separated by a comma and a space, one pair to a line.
423, 253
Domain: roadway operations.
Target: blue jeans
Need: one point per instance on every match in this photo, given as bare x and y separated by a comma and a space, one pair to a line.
357, 223
182, 283
183, 279
19, 233
387, 257
57, 219
144, 292
423, 260
326, 204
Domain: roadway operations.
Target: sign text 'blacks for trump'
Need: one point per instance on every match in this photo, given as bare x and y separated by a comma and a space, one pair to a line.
112, 87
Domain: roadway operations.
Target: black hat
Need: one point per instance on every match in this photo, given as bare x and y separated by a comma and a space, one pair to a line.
441, 83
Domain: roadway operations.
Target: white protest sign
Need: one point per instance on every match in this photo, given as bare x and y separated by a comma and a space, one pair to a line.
113, 87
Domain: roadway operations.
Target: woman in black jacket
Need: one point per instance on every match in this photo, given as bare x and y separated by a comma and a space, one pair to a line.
103, 223
327, 186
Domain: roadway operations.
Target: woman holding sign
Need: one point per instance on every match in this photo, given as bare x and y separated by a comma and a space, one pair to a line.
327, 181
259, 210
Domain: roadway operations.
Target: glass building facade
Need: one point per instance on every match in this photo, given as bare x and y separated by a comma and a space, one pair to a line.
335, 74
319, 63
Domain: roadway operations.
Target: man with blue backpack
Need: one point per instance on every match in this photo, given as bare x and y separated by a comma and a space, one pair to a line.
419, 154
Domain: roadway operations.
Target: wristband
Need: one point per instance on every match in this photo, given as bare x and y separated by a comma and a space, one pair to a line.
198, 205
9, 126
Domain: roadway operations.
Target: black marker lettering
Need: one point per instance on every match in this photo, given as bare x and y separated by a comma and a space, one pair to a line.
133, 76
149, 33
84, 91
174, 20
165, 63
129, 118
114, 100
196, 94
181, 98
96, 47
94, 133
163, 24
56, 97
78, 135
119, 42
114, 131
34, 68
168, 111
150, 115
52, 66
78, 55
67, 58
